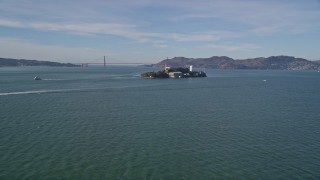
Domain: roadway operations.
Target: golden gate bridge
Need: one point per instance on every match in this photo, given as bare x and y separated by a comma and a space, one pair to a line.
105, 63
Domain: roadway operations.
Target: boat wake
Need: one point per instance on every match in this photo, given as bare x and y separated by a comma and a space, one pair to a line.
54, 79
47, 91
29, 92
72, 90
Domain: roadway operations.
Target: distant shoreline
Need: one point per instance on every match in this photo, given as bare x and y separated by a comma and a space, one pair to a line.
8, 62
260, 63
214, 62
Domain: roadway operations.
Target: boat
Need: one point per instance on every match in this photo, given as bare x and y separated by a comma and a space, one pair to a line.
37, 78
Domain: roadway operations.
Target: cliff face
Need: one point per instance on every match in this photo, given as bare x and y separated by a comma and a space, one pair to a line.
223, 62
22, 62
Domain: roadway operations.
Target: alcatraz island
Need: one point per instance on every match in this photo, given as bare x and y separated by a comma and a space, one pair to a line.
178, 72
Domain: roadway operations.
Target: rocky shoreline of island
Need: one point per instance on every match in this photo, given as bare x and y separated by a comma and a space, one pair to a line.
177, 72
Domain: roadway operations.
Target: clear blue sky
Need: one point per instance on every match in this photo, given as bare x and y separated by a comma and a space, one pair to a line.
152, 30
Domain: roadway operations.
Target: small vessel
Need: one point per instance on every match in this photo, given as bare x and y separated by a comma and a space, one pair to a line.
37, 78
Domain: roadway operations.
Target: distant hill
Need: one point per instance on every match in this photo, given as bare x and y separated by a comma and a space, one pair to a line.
4, 62
318, 61
224, 62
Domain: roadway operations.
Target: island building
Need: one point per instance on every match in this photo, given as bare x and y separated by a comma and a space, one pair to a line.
176, 74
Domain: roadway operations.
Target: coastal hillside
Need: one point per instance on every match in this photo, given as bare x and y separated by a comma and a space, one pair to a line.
224, 62
5, 62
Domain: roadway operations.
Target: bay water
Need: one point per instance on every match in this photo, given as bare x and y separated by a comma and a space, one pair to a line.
108, 123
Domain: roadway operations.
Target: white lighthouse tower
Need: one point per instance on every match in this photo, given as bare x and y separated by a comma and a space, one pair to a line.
190, 68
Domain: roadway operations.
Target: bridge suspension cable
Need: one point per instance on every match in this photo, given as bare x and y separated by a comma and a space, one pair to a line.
105, 60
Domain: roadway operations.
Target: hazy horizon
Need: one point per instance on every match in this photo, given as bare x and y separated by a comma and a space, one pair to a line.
150, 31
